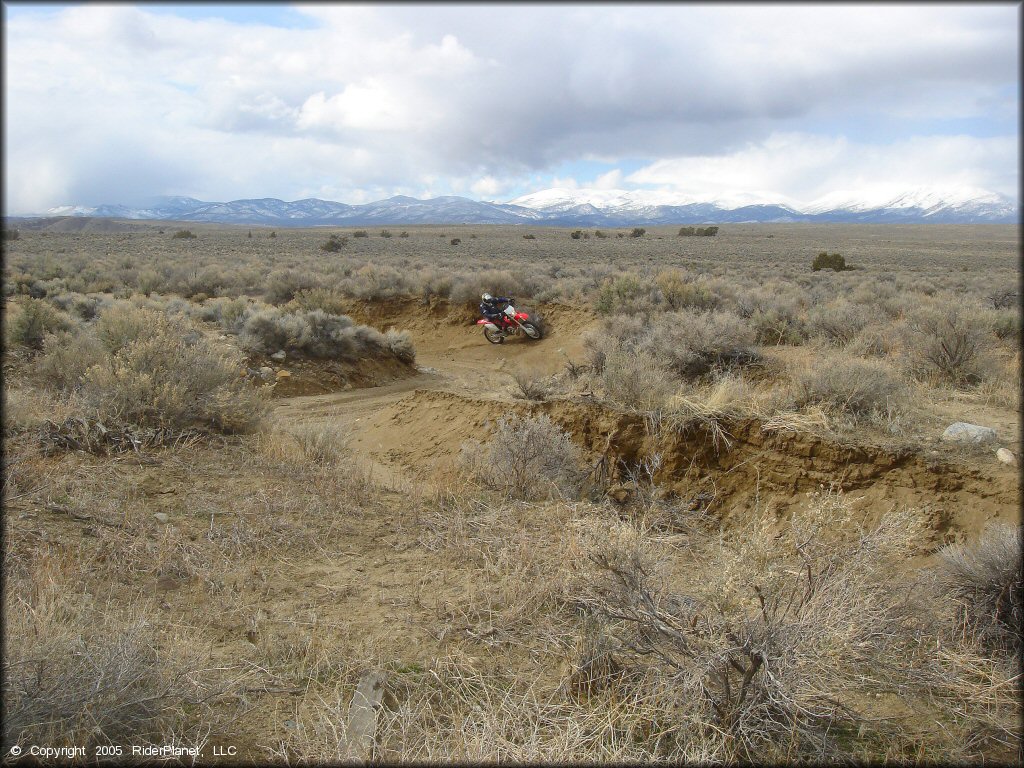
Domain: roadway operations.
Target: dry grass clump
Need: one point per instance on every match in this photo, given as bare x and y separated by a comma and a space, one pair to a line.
282, 285
986, 582
323, 445
526, 458
173, 378
946, 343
837, 322
636, 380
401, 345
692, 344
77, 673
726, 400
66, 357
680, 293
531, 386
861, 390
775, 648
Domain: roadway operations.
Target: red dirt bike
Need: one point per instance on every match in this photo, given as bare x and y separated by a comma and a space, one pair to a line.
511, 322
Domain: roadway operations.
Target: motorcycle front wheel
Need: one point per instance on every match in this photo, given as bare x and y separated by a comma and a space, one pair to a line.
495, 337
530, 330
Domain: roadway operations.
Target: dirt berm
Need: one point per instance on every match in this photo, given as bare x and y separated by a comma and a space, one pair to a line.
412, 431
423, 433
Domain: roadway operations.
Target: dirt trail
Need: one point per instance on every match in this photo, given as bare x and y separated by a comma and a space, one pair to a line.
411, 430
452, 356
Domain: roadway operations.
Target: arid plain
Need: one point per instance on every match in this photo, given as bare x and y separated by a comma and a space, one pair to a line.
271, 489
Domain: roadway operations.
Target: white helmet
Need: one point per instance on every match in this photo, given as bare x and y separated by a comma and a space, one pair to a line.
487, 297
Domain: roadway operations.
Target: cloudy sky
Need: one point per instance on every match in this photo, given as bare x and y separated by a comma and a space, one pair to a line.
117, 103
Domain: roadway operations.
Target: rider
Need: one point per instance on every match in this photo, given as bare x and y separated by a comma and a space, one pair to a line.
492, 306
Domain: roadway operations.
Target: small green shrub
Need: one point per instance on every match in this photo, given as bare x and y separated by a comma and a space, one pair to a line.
577, 234
282, 285
328, 300
626, 294
946, 343
385, 233
183, 234
360, 233
456, 241
30, 321
680, 293
638, 232
67, 355
529, 237
333, 244
825, 260
173, 378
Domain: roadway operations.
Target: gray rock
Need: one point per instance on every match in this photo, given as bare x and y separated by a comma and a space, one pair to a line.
279, 355
1006, 456
267, 373
962, 432
161, 517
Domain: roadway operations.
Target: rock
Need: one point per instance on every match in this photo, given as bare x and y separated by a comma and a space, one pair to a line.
279, 355
161, 517
962, 432
222, 337
1006, 456
266, 373
282, 374
361, 728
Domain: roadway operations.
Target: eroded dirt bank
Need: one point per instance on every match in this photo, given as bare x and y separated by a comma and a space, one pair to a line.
412, 430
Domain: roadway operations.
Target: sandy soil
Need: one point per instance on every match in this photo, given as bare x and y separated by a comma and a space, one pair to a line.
411, 432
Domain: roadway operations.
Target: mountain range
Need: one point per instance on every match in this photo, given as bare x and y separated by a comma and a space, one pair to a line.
578, 207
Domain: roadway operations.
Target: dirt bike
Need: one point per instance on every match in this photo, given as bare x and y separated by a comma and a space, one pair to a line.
510, 323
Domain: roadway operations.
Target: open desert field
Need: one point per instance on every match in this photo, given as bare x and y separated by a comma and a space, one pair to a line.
271, 495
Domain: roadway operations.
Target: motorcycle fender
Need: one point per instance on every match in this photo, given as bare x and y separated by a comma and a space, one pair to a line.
522, 316
488, 325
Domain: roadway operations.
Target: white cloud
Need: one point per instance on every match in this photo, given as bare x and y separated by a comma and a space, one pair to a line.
804, 167
106, 101
487, 187
610, 180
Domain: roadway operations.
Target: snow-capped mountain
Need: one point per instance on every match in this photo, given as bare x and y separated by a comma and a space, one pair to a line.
928, 203
583, 207
948, 205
